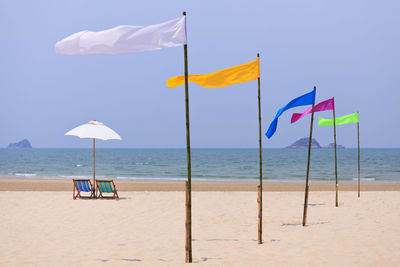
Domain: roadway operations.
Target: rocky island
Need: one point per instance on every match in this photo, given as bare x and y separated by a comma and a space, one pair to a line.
21, 144
332, 145
303, 143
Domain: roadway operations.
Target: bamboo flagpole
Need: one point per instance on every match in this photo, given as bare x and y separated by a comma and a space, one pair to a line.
188, 225
187, 219
350, 118
308, 168
358, 139
260, 149
334, 137
237, 74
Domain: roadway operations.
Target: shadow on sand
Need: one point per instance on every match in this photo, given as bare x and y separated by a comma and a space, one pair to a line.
204, 259
316, 204
299, 224
128, 259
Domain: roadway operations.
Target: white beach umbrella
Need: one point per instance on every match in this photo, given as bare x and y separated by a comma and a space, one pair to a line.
96, 130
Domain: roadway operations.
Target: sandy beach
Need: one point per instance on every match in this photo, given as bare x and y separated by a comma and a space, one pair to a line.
42, 226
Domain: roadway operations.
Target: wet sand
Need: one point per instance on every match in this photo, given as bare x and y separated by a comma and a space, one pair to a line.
7, 184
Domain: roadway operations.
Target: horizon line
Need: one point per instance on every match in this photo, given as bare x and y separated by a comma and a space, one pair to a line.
192, 148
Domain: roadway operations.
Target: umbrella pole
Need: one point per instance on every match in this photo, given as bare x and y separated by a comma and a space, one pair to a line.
94, 168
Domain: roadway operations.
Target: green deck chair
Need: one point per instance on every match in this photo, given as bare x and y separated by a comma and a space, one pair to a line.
106, 189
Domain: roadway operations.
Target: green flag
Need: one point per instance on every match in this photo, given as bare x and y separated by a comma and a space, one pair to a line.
351, 118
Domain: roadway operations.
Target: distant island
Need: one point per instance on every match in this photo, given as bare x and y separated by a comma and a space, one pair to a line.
332, 145
21, 144
303, 143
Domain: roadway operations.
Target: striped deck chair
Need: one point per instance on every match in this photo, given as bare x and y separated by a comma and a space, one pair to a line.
82, 185
105, 188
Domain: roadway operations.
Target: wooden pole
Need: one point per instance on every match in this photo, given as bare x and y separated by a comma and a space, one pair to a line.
358, 138
334, 135
308, 169
260, 152
188, 247
259, 201
94, 165
187, 219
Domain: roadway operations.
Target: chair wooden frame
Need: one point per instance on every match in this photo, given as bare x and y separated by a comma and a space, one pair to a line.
100, 191
78, 190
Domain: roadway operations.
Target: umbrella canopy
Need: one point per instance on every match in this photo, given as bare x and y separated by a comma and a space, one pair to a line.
94, 129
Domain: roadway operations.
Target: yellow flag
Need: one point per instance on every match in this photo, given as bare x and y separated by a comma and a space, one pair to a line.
238, 74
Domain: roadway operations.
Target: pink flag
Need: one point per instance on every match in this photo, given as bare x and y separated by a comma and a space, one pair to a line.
321, 106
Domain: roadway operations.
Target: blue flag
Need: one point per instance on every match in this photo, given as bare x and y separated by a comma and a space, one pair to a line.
306, 99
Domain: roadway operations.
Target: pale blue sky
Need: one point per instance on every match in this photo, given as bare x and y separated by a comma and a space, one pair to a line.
348, 49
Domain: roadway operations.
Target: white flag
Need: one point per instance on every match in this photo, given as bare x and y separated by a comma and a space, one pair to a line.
125, 39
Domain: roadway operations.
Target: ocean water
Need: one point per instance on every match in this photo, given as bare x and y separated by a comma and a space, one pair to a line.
287, 165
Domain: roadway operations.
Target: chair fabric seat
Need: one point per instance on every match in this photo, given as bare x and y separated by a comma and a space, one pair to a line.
83, 186
106, 187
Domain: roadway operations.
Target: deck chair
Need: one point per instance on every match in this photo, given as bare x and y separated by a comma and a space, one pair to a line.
82, 185
105, 188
